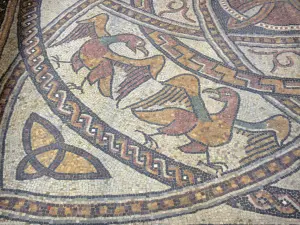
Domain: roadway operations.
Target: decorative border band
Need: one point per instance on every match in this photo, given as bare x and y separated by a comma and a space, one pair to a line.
196, 197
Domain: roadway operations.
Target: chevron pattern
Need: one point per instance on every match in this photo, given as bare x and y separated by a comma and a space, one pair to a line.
199, 64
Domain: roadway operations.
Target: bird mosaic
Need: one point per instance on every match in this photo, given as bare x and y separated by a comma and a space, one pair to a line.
180, 110
178, 107
149, 112
96, 55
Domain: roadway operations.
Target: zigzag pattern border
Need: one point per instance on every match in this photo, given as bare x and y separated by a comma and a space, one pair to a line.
197, 63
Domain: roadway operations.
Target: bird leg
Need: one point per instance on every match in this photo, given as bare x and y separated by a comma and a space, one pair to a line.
73, 86
69, 85
57, 61
149, 139
197, 147
218, 166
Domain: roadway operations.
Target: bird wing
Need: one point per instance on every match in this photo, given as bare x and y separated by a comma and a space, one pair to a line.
264, 137
138, 71
134, 77
259, 144
93, 27
175, 121
154, 63
157, 117
169, 96
82, 30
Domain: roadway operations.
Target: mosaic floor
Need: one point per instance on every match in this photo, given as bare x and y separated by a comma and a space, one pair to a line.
150, 112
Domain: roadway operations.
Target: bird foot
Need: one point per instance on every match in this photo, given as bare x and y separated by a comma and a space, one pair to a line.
73, 86
56, 60
219, 167
149, 139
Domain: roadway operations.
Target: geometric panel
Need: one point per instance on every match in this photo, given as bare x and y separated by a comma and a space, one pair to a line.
48, 155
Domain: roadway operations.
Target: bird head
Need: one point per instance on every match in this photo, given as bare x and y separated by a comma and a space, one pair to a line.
135, 43
222, 94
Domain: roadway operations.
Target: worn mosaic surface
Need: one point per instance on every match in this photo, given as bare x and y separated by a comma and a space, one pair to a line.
150, 112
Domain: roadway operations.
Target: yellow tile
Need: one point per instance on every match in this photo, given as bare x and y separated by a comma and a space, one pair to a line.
185, 200
286, 159
47, 158
233, 184
260, 173
40, 136
85, 211
33, 207
136, 207
119, 210
245, 179
218, 190
273, 167
200, 196
103, 210
73, 163
53, 211
152, 206
19, 204
4, 203
296, 152
68, 211
169, 203
29, 169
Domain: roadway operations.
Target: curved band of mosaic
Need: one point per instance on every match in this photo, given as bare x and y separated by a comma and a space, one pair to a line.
71, 110
196, 197
208, 68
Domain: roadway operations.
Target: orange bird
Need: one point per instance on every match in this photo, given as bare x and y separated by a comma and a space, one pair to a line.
100, 60
180, 110
191, 119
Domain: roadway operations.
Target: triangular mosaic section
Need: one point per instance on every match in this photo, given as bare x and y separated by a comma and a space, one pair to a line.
48, 155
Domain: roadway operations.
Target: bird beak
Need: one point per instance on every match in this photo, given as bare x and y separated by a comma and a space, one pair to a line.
143, 50
214, 93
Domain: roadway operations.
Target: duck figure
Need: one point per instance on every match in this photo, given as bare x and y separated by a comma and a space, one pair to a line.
179, 109
99, 59
202, 129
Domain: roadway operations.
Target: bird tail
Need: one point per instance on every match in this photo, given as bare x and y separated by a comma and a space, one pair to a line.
100, 22
278, 124
281, 126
